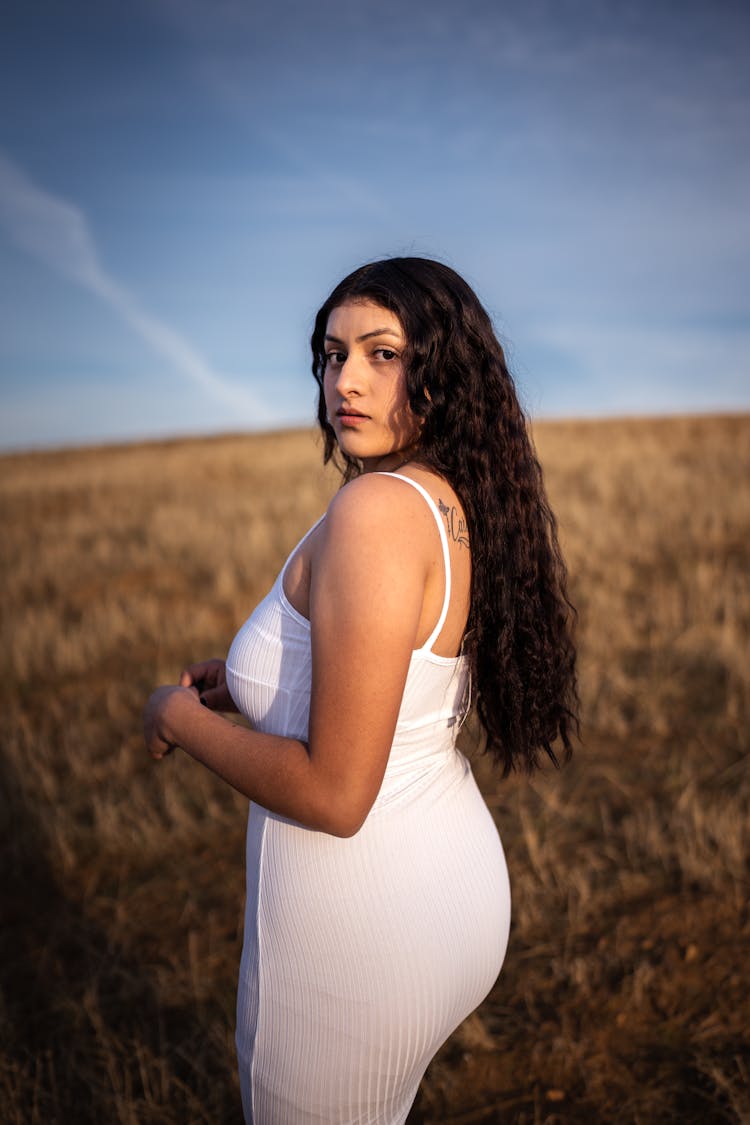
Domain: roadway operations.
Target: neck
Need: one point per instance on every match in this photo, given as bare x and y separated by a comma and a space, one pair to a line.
392, 462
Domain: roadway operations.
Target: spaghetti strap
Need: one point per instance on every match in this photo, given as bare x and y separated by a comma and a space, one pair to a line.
427, 646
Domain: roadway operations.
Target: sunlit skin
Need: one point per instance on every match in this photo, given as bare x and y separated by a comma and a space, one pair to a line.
370, 579
365, 385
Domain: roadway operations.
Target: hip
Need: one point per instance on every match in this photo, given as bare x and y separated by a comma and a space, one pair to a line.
424, 872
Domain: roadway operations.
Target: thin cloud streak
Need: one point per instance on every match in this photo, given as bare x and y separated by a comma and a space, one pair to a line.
56, 233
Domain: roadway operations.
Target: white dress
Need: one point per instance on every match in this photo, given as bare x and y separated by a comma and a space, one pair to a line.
362, 955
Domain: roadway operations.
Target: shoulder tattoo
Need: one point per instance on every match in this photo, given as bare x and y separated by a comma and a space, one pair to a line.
455, 524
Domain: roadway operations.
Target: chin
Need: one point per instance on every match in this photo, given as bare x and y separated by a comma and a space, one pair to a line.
349, 444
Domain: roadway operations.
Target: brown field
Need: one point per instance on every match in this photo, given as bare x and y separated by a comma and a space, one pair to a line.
624, 997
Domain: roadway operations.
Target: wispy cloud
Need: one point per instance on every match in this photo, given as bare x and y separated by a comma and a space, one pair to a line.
56, 233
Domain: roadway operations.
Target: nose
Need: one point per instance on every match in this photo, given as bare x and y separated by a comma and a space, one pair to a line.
348, 378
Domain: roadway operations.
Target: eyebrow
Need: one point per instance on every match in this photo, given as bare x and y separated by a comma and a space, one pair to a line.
367, 335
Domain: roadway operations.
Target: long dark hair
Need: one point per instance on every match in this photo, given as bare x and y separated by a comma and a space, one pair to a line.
519, 633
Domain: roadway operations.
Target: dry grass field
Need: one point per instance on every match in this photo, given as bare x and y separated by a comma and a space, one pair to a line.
624, 997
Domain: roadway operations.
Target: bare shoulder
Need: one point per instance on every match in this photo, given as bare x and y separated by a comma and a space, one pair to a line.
377, 505
380, 561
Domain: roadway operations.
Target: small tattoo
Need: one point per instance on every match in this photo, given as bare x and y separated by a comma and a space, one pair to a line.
456, 524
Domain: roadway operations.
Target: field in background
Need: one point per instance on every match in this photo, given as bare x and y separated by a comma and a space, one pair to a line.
624, 997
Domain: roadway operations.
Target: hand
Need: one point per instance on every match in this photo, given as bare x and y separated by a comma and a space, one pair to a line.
157, 731
209, 679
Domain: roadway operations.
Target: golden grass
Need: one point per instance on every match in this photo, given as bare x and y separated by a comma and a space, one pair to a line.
624, 996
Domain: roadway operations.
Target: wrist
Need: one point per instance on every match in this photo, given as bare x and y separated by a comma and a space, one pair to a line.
175, 708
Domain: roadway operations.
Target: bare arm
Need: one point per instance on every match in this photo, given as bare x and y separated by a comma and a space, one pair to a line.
366, 594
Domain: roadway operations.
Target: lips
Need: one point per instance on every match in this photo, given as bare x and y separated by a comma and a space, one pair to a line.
350, 415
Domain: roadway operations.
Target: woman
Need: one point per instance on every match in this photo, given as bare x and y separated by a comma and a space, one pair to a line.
377, 894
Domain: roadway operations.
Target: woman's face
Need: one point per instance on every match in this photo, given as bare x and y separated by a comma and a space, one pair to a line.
365, 385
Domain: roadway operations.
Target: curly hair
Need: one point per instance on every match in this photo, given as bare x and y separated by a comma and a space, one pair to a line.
519, 636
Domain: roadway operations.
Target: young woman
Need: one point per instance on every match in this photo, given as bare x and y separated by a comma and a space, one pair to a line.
378, 903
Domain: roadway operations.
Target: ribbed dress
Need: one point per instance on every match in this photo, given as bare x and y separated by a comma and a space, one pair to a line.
362, 955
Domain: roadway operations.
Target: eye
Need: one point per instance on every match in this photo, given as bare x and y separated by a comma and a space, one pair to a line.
386, 353
333, 359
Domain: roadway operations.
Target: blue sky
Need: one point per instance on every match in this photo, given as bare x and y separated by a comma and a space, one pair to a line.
183, 181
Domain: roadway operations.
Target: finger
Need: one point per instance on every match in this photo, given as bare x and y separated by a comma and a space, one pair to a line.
196, 674
159, 752
214, 698
193, 674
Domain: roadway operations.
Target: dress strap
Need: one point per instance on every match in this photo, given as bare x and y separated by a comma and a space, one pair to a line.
446, 556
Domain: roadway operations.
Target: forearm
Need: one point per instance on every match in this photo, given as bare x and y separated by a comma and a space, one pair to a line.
273, 771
